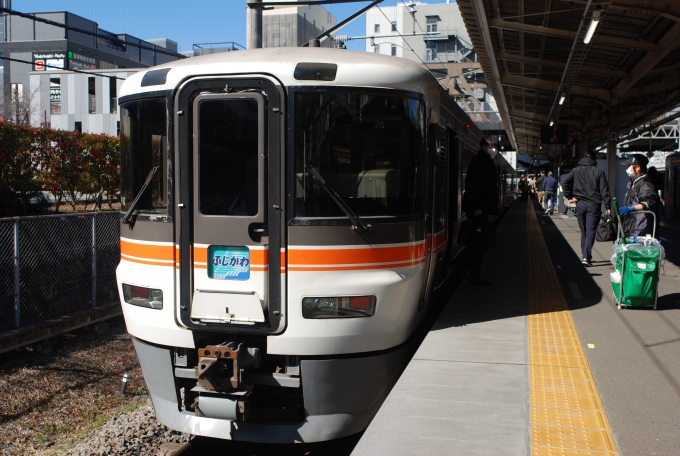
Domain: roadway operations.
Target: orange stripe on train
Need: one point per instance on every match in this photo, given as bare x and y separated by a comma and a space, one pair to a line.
299, 259
355, 256
147, 251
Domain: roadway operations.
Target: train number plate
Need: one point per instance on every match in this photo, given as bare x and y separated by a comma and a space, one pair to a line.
228, 263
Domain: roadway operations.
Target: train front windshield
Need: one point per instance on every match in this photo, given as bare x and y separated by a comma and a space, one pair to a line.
368, 148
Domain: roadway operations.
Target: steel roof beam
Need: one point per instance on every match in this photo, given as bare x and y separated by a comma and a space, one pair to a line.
560, 65
569, 34
495, 77
669, 9
648, 62
600, 95
653, 89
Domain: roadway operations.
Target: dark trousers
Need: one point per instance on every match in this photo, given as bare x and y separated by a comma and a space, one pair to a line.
588, 216
476, 251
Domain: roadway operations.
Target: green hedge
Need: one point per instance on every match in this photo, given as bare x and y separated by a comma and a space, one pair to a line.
69, 166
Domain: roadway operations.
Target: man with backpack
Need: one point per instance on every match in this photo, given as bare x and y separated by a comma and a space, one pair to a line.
586, 185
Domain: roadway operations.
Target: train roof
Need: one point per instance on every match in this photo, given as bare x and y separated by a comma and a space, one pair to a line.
355, 69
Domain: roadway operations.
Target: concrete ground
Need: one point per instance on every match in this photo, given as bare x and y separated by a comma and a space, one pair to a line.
636, 356
467, 390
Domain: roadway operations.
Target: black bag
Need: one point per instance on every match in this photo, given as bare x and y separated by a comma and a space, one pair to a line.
606, 230
477, 233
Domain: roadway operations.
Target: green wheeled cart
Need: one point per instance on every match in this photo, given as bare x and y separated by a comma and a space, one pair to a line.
636, 279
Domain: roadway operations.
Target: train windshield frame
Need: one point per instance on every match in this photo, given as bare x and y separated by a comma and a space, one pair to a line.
144, 145
368, 145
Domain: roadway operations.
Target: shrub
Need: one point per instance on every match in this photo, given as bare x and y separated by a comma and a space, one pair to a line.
68, 165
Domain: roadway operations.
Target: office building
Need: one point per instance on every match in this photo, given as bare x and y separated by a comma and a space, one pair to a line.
35, 46
293, 26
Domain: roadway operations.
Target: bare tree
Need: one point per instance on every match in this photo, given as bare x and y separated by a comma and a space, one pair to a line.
19, 104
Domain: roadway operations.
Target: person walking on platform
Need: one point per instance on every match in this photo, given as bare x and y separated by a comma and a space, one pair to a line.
641, 196
523, 188
587, 186
653, 175
480, 201
549, 189
539, 189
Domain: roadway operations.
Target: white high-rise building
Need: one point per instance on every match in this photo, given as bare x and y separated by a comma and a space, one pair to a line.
394, 24
446, 51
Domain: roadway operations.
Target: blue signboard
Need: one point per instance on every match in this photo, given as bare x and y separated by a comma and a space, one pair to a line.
228, 263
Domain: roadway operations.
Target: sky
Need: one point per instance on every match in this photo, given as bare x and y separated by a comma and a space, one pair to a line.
188, 23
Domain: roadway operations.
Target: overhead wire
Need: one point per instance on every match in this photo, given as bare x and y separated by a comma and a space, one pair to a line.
411, 49
437, 60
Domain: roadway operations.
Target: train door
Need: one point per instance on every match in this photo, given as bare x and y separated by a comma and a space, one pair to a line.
441, 204
455, 159
431, 198
229, 219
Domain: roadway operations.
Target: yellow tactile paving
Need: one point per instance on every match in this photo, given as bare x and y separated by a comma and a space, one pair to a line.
585, 419
567, 415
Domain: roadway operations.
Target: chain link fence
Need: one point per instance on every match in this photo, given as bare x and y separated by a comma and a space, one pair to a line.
54, 265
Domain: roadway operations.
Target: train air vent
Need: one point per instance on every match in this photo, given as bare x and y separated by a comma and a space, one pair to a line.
155, 77
310, 71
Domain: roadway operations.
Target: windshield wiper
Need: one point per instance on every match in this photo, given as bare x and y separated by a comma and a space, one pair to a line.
129, 218
357, 223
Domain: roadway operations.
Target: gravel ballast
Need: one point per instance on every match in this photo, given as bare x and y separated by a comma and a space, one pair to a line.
131, 433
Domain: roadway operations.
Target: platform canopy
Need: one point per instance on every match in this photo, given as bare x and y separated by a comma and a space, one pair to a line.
535, 54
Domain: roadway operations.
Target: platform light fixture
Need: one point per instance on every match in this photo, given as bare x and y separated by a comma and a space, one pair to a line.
562, 98
551, 123
594, 22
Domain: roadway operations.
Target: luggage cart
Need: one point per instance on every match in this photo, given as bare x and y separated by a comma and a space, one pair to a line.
636, 279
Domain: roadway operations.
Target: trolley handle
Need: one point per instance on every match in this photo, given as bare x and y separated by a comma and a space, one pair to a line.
620, 230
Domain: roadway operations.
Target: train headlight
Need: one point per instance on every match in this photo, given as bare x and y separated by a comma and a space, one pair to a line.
143, 297
338, 307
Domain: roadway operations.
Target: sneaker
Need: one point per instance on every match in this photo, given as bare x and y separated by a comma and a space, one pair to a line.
546, 211
586, 262
480, 282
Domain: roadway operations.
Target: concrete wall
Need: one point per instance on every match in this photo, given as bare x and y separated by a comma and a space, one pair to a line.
293, 27
75, 100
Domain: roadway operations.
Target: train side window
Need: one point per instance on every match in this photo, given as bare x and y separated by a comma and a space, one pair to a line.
144, 145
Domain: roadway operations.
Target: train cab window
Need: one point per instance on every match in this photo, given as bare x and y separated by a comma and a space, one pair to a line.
143, 146
368, 148
228, 157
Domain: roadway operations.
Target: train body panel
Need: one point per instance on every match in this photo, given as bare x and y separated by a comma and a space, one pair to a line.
671, 193
289, 213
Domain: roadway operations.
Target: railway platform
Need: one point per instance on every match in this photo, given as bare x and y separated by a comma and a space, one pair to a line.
542, 362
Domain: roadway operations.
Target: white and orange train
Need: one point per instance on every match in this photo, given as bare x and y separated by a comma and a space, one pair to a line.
287, 214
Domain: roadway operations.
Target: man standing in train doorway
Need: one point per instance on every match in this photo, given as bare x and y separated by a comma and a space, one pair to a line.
480, 200
587, 186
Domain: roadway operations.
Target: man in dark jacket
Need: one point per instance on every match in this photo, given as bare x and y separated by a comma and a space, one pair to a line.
549, 189
587, 186
641, 196
479, 201
539, 189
